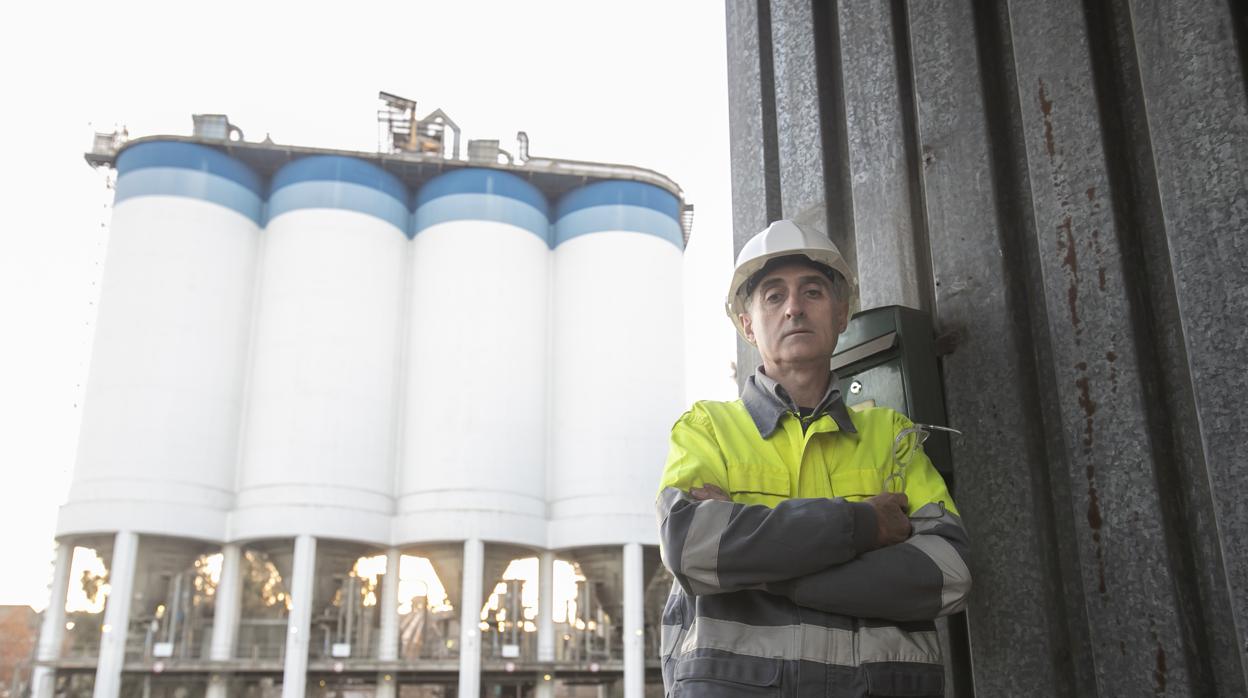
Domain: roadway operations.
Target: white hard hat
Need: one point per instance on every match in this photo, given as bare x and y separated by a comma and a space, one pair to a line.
784, 238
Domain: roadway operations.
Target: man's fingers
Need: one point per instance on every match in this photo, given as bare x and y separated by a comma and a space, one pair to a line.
897, 499
709, 491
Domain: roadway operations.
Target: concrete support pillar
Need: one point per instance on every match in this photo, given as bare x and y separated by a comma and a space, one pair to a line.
388, 608
52, 631
299, 625
387, 685
228, 604
225, 614
546, 619
116, 615
470, 619
634, 622
546, 607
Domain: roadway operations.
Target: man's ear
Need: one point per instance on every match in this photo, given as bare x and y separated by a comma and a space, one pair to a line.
748, 326
842, 317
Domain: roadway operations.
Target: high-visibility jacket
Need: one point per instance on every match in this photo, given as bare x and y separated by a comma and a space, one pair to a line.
778, 592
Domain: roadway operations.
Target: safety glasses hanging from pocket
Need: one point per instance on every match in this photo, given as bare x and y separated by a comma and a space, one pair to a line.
905, 444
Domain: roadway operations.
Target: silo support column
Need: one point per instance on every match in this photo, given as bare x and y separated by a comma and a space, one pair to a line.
546, 620
299, 624
52, 631
116, 615
634, 615
388, 607
226, 612
470, 619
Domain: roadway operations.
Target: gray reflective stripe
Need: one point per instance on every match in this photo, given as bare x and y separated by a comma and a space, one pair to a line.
700, 559
812, 643
669, 638
957, 578
667, 499
676, 592
790, 642
924, 524
891, 644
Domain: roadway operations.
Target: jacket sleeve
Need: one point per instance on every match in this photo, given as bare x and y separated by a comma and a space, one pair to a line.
924, 577
713, 546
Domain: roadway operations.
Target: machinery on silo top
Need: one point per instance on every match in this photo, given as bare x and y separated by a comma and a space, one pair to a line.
406, 133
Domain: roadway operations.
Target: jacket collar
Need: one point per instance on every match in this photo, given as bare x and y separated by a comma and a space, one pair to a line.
767, 402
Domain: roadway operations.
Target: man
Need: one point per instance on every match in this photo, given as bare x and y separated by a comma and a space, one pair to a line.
798, 573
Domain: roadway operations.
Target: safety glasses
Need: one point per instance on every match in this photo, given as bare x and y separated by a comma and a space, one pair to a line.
908, 442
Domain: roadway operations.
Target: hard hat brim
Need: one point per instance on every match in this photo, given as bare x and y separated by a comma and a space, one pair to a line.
735, 304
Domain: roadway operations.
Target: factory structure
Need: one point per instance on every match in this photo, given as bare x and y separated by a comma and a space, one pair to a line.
316, 370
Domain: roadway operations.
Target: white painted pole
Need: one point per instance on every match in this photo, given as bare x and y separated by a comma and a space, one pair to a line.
388, 607
387, 686
299, 625
52, 632
116, 615
470, 619
228, 605
225, 614
634, 621
546, 608
546, 619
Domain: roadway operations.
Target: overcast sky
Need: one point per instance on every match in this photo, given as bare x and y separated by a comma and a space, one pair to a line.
640, 83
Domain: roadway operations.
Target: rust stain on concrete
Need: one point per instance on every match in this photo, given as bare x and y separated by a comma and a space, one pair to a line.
1046, 107
1070, 260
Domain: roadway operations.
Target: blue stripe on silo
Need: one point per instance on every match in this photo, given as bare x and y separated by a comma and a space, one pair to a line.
476, 180
619, 205
333, 181
187, 156
619, 193
482, 194
635, 219
172, 168
482, 207
346, 196
173, 181
336, 168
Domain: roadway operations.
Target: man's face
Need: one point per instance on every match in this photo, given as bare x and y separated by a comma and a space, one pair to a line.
793, 316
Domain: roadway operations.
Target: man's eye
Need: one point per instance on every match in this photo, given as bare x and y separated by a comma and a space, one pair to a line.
772, 297
814, 292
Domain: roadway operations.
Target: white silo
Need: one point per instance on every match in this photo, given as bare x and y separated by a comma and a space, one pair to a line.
474, 446
160, 423
319, 430
617, 346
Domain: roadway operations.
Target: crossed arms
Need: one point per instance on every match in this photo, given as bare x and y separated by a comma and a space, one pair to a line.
828, 554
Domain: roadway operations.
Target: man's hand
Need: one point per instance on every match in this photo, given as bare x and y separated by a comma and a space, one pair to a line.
709, 491
892, 523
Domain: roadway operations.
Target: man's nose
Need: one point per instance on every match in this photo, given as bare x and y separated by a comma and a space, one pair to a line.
793, 306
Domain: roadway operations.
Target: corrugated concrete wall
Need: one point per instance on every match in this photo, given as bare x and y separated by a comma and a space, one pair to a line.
1062, 185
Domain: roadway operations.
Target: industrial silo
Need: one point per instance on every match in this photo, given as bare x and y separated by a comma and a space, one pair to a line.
474, 446
159, 432
617, 345
321, 398
475, 412
159, 429
318, 441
